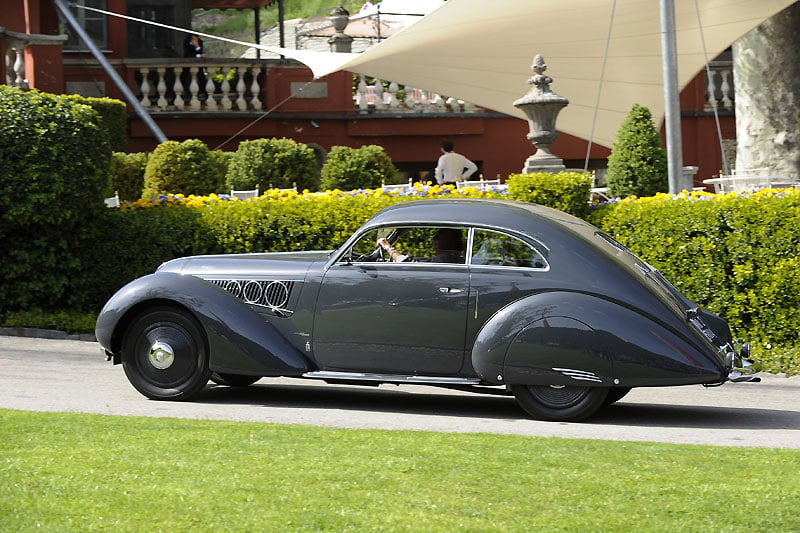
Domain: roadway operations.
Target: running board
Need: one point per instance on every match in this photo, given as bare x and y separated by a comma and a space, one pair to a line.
390, 378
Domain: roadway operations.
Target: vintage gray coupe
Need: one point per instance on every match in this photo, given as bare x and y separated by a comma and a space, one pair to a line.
490, 296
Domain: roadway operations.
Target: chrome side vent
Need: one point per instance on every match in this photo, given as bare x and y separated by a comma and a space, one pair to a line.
272, 294
580, 375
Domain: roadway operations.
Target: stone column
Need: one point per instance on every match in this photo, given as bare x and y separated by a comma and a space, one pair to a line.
340, 42
541, 106
766, 66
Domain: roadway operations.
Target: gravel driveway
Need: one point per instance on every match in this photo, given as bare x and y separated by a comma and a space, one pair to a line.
72, 375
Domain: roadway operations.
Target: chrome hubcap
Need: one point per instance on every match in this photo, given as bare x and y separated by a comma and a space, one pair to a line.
161, 355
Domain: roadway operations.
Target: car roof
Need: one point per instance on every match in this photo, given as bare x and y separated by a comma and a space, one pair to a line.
505, 214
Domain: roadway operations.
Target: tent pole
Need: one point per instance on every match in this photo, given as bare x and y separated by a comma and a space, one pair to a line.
281, 16
257, 20
672, 113
118, 81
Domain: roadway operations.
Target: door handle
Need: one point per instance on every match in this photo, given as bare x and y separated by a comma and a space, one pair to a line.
450, 290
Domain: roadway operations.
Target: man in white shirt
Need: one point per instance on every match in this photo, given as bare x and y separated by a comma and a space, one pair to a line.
452, 166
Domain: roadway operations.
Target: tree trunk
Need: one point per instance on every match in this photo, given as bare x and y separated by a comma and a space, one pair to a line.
766, 63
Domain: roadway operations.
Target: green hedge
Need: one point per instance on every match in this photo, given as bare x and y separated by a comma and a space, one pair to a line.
127, 175
113, 116
567, 191
120, 246
53, 177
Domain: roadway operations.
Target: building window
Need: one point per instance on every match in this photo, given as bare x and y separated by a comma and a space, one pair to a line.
146, 40
92, 22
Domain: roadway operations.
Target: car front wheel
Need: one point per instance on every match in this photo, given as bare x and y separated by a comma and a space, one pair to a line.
164, 354
559, 402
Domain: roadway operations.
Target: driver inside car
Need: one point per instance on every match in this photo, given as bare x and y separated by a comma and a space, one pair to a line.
448, 247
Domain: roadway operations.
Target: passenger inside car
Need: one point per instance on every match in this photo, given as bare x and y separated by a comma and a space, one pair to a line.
447, 245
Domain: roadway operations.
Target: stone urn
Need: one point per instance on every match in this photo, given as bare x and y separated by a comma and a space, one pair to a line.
541, 106
339, 41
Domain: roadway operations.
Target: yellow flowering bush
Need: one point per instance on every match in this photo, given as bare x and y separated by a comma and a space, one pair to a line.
417, 192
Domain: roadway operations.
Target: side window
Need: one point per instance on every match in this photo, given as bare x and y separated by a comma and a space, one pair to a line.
494, 248
93, 23
418, 244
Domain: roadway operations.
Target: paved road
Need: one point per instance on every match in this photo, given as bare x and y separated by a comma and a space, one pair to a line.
70, 375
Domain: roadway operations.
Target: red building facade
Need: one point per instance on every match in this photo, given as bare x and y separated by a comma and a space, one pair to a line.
226, 101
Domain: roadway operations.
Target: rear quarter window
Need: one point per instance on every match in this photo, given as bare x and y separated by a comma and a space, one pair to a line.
493, 248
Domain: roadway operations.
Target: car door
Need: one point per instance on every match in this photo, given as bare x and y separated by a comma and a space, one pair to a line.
503, 269
373, 315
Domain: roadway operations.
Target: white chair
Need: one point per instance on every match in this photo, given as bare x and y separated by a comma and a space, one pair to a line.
244, 194
598, 194
398, 186
292, 188
750, 172
113, 201
748, 179
480, 184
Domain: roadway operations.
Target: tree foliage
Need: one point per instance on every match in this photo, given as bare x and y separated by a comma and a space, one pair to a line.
637, 165
54, 163
187, 167
273, 163
366, 167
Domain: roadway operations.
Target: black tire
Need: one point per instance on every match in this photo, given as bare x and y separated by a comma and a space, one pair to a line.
233, 380
559, 403
615, 394
164, 354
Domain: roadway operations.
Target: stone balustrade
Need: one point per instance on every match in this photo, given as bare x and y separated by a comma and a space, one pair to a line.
719, 86
192, 86
389, 98
239, 86
15, 53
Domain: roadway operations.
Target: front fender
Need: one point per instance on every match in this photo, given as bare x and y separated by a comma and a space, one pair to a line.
239, 340
572, 338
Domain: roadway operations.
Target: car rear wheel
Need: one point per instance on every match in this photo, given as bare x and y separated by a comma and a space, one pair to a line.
559, 402
233, 380
164, 354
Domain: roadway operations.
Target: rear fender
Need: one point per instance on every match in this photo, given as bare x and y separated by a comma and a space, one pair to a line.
571, 338
239, 340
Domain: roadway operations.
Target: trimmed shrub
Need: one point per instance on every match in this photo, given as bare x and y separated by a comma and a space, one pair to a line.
357, 168
637, 165
272, 163
276, 225
127, 175
113, 116
223, 160
53, 177
567, 191
122, 245
187, 168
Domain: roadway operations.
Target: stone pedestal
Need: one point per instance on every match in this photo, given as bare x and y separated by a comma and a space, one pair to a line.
339, 41
542, 106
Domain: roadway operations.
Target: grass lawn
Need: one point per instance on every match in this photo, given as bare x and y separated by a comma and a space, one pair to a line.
80, 472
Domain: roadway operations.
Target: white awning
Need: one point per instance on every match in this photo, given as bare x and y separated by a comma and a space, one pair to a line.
481, 52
